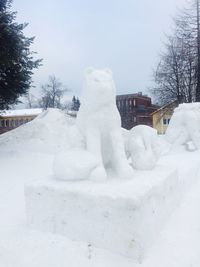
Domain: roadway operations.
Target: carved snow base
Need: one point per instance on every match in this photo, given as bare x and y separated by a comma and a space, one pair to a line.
122, 216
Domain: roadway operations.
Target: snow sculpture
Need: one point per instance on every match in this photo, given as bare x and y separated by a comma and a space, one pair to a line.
100, 125
184, 126
142, 147
101, 147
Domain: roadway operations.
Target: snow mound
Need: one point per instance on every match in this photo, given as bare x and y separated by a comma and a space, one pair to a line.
49, 132
184, 126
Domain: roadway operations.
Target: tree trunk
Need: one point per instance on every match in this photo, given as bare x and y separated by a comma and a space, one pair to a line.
198, 55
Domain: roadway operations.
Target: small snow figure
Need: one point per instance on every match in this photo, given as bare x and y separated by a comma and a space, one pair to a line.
142, 145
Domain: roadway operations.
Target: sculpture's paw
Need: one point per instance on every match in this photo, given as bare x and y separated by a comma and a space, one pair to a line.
98, 174
125, 171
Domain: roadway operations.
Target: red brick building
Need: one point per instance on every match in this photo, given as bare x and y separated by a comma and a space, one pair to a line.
135, 109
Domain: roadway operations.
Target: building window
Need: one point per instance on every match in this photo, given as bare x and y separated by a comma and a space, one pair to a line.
134, 102
165, 121
135, 119
141, 108
7, 123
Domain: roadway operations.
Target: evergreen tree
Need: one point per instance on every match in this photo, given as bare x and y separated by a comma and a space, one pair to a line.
78, 104
16, 59
75, 103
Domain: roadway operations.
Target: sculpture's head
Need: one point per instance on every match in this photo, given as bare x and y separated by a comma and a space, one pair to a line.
99, 85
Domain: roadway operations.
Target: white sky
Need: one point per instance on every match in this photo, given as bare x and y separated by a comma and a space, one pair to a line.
124, 35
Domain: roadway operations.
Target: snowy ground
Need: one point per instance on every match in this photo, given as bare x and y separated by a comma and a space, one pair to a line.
177, 246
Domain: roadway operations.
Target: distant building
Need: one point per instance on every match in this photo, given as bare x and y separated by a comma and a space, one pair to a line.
11, 119
162, 117
135, 109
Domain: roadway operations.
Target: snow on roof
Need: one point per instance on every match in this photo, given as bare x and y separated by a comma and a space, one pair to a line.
165, 106
20, 112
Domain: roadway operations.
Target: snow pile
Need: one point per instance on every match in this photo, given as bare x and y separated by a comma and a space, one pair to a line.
184, 126
99, 123
50, 132
143, 146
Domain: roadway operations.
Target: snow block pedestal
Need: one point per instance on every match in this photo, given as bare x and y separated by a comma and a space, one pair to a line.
123, 216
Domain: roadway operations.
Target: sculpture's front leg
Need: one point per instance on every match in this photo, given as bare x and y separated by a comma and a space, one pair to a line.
93, 145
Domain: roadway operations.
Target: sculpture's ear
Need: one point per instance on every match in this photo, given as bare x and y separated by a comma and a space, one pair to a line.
89, 70
109, 71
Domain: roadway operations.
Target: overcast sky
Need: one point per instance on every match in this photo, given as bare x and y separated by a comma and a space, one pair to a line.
124, 35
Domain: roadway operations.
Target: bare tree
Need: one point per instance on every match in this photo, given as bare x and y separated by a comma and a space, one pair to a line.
31, 101
52, 93
169, 73
177, 76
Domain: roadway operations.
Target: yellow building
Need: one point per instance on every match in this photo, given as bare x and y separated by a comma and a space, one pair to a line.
161, 117
11, 119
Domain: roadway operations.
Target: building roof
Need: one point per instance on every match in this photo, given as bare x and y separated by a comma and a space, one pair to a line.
136, 95
20, 112
165, 106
